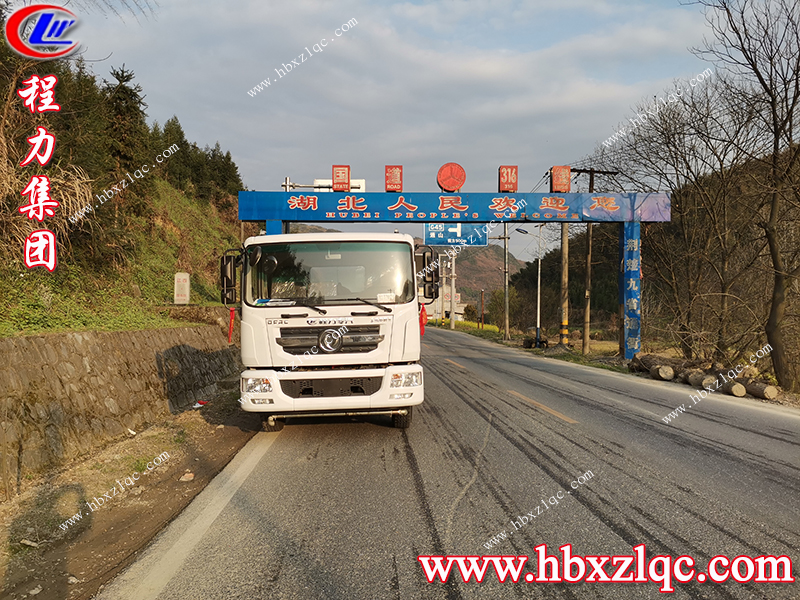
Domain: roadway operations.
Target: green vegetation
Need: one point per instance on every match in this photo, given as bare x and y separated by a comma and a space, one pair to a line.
493, 333
180, 437
465, 325
140, 465
183, 236
490, 332
115, 266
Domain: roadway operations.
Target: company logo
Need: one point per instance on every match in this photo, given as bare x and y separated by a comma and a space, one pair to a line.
330, 341
47, 39
343, 321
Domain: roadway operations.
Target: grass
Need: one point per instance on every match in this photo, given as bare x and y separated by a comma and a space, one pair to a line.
185, 236
139, 465
180, 437
493, 333
40, 302
490, 332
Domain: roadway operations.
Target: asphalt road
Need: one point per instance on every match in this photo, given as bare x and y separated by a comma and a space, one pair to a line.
341, 509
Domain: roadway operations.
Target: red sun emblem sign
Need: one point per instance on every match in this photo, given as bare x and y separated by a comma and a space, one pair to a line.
451, 177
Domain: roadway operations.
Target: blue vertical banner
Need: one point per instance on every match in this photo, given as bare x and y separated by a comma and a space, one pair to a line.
630, 288
273, 227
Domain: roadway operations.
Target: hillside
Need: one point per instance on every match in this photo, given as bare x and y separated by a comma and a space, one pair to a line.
481, 268
184, 235
117, 247
306, 228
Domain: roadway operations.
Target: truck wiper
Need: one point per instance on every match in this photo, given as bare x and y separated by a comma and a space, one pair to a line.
321, 311
286, 302
381, 306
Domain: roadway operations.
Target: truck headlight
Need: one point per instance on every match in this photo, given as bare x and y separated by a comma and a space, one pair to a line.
256, 385
411, 379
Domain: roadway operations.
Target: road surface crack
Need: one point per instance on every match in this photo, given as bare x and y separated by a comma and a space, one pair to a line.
451, 516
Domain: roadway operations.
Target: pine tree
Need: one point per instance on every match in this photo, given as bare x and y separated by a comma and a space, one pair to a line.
129, 135
176, 169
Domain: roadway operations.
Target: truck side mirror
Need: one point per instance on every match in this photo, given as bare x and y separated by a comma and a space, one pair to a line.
431, 270
227, 275
431, 291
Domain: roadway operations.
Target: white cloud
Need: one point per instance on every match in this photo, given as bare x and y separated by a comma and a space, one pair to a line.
415, 84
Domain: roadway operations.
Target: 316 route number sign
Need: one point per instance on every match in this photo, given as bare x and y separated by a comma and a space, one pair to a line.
507, 179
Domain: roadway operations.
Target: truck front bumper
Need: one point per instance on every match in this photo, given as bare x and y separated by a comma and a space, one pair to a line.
360, 390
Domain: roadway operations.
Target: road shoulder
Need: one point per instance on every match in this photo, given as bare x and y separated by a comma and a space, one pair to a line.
75, 563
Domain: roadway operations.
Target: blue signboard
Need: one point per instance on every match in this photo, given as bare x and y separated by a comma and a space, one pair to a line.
455, 234
630, 288
422, 207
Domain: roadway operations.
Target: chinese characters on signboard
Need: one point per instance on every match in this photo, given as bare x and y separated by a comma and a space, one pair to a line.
341, 178
40, 245
394, 178
182, 288
559, 180
630, 289
430, 206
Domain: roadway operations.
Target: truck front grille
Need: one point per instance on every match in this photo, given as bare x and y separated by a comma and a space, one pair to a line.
331, 388
357, 338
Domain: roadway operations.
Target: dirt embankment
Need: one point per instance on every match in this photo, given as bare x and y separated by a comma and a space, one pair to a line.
42, 556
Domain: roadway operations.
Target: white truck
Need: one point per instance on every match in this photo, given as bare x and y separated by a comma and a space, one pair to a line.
330, 324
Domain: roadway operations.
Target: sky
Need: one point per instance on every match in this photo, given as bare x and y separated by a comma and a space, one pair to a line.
478, 82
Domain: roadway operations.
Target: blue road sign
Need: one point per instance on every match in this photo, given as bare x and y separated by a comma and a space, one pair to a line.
455, 234
427, 207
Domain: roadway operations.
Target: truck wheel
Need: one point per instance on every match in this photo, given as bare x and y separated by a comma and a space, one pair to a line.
403, 421
267, 427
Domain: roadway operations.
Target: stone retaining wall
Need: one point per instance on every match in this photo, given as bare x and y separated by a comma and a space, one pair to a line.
62, 395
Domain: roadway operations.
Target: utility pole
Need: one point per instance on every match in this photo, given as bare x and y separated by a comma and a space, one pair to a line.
442, 287
588, 290
563, 339
506, 334
504, 237
588, 282
539, 293
560, 183
453, 292
482, 309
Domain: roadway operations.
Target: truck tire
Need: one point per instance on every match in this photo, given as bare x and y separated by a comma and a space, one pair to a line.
403, 421
267, 427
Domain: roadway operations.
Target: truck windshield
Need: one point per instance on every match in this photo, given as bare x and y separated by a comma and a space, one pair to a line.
328, 273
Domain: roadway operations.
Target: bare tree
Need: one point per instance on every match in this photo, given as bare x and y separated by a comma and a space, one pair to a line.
699, 267
758, 43
133, 7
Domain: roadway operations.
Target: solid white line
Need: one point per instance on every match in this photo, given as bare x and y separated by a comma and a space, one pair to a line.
163, 559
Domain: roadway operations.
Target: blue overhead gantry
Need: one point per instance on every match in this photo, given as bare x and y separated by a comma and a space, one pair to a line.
631, 209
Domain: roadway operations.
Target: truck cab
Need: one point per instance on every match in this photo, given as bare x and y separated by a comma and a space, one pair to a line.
330, 324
